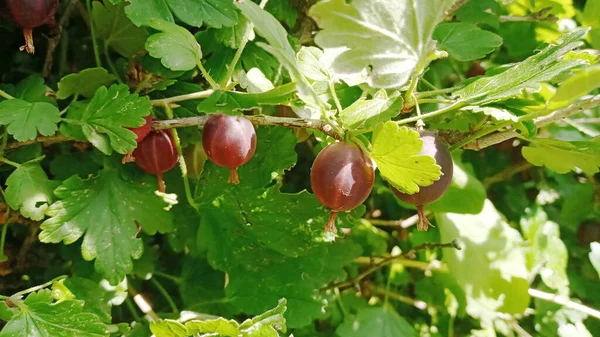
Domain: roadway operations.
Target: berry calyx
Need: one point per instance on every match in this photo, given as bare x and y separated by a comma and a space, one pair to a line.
30, 14
229, 141
342, 178
434, 147
157, 154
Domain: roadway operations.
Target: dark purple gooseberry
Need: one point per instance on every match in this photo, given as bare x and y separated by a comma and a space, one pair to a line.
30, 14
157, 154
434, 147
229, 141
342, 178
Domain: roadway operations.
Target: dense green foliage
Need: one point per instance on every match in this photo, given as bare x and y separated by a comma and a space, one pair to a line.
89, 247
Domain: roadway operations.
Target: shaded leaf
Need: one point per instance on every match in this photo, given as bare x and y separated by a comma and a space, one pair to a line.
84, 83
117, 31
30, 191
465, 41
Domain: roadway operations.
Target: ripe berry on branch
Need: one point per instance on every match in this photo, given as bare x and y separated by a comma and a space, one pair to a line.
342, 178
157, 154
229, 141
30, 14
434, 147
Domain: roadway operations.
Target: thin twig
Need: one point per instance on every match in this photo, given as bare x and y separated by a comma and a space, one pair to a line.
390, 260
181, 98
506, 174
401, 298
564, 301
315, 124
555, 116
458, 4
404, 223
540, 16
54, 41
144, 305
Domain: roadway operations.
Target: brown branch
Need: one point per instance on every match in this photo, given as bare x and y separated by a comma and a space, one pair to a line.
389, 260
53, 41
540, 16
259, 120
555, 116
42, 139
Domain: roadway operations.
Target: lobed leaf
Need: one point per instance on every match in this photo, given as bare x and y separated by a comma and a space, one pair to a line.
24, 120
30, 191
562, 156
396, 152
84, 83
175, 46
389, 40
38, 316
465, 41
527, 75
104, 210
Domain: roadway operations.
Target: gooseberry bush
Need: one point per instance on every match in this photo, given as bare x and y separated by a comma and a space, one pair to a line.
299, 168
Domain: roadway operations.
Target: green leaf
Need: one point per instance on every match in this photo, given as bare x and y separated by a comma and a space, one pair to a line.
481, 11
31, 89
117, 31
396, 152
498, 114
527, 75
279, 46
6, 313
84, 83
25, 120
576, 86
298, 279
376, 322
232, 36
390, 38
465, 41
39, 317
205, 296
104, 209
106, 117
234, 102
554, 320
493, 249
168, 328
212, 13
562, 157
595, 256
547, 253
264, 325
30, 191
466, 193
284, 11
270, 243
141, 12
310, 63
367, 113
96, 298
175, 46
